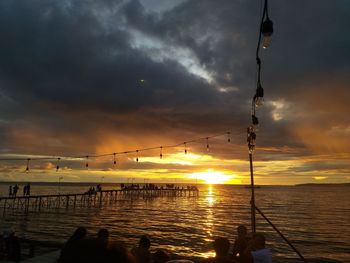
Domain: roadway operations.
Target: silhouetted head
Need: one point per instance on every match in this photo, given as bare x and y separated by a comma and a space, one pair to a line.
258, 241
242, 231
8, 233
117, 252
103, 234
79, 233
87, 250
145, 242
221, 246
161, 256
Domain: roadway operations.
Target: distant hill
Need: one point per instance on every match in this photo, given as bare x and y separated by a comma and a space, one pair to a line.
325, 184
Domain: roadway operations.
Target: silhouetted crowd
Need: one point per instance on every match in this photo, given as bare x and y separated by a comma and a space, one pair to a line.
157, 187
13, 190
83, 248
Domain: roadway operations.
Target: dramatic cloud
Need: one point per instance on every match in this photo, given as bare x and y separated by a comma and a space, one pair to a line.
90, 77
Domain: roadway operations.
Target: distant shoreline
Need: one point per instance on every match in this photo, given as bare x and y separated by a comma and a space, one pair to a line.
324, 184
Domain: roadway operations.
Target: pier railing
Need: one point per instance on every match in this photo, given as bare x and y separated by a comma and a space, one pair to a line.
36, 203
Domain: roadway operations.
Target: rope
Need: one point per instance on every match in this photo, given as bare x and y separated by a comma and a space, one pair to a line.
281, 235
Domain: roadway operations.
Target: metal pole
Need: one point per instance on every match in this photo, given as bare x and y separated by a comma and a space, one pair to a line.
252, 201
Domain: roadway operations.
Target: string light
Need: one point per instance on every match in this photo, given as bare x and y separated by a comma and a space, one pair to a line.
265, 30
259, 95
58, 164
27, 168
58, 159
251, 137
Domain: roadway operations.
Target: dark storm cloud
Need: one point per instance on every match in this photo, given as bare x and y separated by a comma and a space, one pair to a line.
51, 55
309, 42
59, 58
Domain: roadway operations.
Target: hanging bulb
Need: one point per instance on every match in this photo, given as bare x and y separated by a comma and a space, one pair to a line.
207, 144
185, 148
27, 168
255, 122
161, 152
87, 161
228, 137
251, 138
267, 30
58, 164
259, 95
114, 160
137, 155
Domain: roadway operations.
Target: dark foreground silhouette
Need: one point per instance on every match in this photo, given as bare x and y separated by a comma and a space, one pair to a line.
81, 247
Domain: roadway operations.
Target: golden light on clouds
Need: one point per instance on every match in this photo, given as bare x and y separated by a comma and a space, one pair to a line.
214, 177
279, 110
320, 177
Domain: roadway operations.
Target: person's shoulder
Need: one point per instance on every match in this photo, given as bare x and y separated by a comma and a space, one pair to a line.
208, 260
218, 260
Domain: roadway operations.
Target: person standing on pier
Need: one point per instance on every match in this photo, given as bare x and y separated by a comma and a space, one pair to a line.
10, 190
25, 190
28, 189
15, 190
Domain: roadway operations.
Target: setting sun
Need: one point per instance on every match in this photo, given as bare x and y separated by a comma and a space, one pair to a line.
214, 177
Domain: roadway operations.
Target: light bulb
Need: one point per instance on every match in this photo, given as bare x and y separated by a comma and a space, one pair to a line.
259, 96
267, 30
58, 164
266, 42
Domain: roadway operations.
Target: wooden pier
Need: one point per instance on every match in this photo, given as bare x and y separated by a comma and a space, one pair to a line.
36, 203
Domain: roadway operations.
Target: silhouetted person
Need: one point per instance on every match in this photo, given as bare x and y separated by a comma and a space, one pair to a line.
10, 190
160, 256
117, 252
2, 248
256, 251
28, 189
259, 253
240, 245
142, 253
15, 190
103, 235
12, 246
221, 247
70, 246
25, 190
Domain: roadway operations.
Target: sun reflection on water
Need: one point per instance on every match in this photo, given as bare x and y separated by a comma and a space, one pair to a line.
208, 254
209, 223
210, 197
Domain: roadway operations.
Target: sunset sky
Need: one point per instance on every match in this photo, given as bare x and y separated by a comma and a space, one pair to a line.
93, 77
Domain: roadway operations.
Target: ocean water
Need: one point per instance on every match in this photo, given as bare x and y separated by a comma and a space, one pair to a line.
316, 219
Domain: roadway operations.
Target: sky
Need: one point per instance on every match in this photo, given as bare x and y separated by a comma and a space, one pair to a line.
92, 77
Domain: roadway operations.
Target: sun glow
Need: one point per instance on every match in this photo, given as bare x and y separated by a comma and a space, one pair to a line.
214, 177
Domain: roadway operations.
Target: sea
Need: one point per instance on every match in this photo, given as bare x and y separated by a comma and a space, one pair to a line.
314, 218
